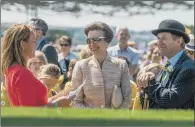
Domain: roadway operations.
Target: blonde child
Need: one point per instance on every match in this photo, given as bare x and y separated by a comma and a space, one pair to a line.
67, 89
49, 75
36, 62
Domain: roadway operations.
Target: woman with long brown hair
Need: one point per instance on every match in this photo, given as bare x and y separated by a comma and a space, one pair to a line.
23, 89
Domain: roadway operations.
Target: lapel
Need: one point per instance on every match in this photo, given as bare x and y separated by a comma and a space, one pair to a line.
180, 61
169, 75
96, 72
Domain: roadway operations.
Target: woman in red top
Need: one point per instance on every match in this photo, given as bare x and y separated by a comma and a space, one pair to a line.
23, 89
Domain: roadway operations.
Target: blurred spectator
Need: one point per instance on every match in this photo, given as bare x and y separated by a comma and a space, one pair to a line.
122, 49
152, 44
41, 28
49, 75
65, 56
153, 56
67, 89
36, 62
189, 48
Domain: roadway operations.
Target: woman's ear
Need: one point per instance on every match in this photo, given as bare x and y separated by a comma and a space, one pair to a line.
22, 44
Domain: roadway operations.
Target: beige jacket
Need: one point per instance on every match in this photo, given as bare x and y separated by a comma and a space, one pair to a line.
98, 84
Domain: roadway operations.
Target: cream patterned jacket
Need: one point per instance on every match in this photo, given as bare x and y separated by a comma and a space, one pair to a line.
97, 84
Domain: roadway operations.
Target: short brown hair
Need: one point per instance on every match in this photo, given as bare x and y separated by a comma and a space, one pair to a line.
100, 26
50, 70
65, 38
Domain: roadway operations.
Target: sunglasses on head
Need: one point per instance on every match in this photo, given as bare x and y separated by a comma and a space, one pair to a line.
97, 39
189, 52
66, 45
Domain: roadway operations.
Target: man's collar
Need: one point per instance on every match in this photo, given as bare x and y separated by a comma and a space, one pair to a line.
175, 58
118, 48
43, 38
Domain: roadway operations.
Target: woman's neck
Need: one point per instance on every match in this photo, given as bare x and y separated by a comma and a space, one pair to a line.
101, 57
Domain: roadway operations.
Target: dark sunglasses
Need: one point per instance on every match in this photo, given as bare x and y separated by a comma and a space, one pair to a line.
94, 40
189, 52
66, 45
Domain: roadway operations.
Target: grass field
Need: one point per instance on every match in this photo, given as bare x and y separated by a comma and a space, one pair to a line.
94, 117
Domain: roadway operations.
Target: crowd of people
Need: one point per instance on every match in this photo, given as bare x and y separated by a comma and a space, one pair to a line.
40, 74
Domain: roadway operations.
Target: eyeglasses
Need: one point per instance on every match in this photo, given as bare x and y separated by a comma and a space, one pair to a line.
94, 40
66, 45
189, 52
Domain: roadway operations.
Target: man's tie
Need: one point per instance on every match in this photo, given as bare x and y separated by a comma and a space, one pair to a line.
164, 75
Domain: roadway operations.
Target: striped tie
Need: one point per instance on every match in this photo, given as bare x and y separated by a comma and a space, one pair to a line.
165, 70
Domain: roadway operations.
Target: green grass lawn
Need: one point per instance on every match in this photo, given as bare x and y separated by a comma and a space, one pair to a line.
96, 117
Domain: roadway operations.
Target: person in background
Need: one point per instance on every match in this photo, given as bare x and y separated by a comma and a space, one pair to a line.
122, 49
152, 44
189, 48
23, 89
40, 27
70, 70
98, 74
67, 89
65, 56
34, 66
49, 75
154, 56
85, 53
36, 62
173, 87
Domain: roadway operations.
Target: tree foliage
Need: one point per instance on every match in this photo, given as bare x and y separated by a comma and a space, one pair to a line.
98, 6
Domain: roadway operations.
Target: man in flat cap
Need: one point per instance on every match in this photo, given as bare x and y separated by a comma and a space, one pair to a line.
173, 87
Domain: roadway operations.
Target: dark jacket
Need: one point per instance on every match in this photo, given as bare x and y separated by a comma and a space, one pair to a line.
50, 53
177, 91
41, 45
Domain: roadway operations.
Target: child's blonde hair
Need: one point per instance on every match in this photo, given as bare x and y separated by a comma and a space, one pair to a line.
41, 56
50, 70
